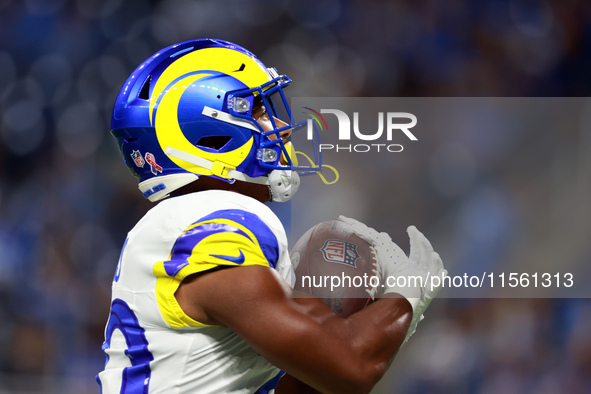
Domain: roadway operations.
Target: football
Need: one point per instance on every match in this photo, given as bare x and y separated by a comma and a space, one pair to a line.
332, 263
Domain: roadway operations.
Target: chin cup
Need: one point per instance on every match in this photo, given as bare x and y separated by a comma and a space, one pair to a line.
283, 184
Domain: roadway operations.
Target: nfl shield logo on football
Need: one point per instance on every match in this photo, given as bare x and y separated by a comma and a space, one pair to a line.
342, 252
137, 158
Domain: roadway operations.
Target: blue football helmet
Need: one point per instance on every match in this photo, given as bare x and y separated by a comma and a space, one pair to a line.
187, 112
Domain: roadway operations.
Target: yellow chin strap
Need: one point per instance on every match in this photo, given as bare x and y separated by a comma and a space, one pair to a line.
293, 155
336, 173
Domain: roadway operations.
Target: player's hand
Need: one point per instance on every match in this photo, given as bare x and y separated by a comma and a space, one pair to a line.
408, 276
423, 255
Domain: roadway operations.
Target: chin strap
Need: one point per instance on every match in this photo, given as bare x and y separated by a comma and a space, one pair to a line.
283, 184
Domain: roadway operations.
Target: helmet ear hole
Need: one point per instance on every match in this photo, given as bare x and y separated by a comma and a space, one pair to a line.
213, 142
145, 92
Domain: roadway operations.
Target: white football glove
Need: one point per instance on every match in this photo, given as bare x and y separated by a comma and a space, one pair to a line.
393, 263
423, 255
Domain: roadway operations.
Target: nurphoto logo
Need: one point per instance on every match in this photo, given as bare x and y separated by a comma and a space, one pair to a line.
395, 123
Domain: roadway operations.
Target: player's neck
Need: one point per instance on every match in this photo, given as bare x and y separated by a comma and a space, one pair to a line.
256, 191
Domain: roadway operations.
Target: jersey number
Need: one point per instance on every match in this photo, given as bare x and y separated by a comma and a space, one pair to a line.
118, 270
136, 379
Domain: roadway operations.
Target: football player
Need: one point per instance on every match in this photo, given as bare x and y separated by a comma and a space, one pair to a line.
201, 297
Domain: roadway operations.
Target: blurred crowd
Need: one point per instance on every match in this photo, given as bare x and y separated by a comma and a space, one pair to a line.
67, 201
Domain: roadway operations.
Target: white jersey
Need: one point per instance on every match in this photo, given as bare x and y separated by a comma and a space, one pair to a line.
152, 346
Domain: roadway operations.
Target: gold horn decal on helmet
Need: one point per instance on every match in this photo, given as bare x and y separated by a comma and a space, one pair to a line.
169, 133
223, 60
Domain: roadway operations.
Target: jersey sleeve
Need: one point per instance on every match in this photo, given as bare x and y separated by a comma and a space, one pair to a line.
224, 238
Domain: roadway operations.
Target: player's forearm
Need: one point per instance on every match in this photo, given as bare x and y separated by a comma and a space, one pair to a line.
384, 321
381, 328
351, 355
301, 335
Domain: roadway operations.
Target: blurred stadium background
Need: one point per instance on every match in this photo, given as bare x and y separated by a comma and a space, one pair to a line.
67, 201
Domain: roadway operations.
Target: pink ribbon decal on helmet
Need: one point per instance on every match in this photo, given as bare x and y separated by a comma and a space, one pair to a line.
151, 160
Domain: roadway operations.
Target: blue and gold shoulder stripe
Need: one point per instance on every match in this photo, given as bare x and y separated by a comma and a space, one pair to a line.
231, 237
